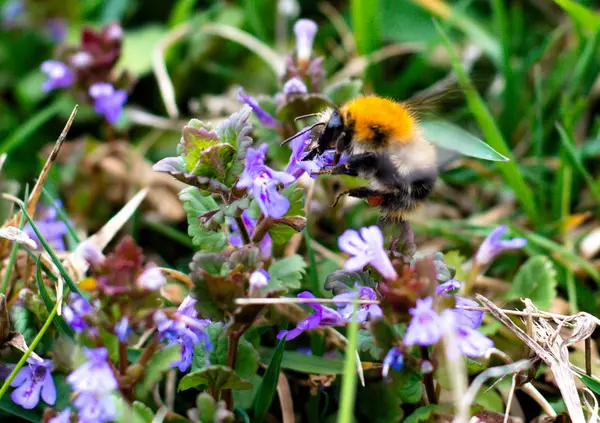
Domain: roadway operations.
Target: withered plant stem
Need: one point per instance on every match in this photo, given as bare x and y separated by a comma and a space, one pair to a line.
261, 229
428, 379
243, 230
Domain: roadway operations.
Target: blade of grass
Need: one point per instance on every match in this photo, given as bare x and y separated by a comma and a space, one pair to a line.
58, 320
585, 17
575, 159
13, 253
62, 215
27, 129
492, 134
34, 344
346, 414
51, 253
268, 385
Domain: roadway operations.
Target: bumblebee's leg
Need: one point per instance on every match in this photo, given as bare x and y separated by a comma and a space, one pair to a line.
341, 144
358, 192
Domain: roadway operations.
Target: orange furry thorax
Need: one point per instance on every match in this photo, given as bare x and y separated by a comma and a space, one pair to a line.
372, 115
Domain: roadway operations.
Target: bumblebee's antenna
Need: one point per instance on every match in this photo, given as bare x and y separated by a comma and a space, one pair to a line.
302, 132
305, 116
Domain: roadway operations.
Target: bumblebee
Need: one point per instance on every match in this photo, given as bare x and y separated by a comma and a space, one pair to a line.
384, 145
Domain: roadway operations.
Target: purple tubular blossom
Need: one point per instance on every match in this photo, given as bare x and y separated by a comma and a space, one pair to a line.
365, 248
305, 31
95, 375
108, 102
31, 381
468, 341
50, 227
494, 245
62, 417
425, 327
59, 75
393, 359
294, 86
186, 331
76, 312
259, 279
365, 311
448, 287
93, 407
323, 316
235, 239
81, 59
263, 181
122, 329
265, 118
91, 253
469, 318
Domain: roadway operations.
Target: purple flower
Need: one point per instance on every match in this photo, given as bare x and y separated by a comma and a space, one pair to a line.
33, 379
95, 375
393, 359
294, 86
469, 318
493, 245
366, 248
425, 327
235, 239
76, 312
151, 278
186, 330
81, 59
447, 287
59, 75
365, 311
297, 166
91, 253
108, 102
323, 316
62, 417
305, 31
265, 118
263, 181
469, 342
12, 10
56, 29
50, 227
259, 279
122, 329
93, 407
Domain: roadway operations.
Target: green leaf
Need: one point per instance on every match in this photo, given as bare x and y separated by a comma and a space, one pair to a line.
344, 91
383, 333
281, 233
268, 385
366, 343
21, 321
592, 383
245, 399
160, 363
407, 385
490, 400
196, 205
137, 45
142, 412
310, 364
587, 18
451, 137
7, 404
388, 409
296, 197
342, 281
287, 273
234, 131
536, 280
246, 363
423, 414
215, 378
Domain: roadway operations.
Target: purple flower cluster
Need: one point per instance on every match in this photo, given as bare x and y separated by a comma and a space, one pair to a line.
93, 382
235, 239
32, 380
52, 229
59, 75
76, 312
365, 311
185, 329
305, 31
323, 316
263, 181
263, 116
108, 102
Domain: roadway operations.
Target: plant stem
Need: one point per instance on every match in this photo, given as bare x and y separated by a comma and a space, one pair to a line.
234, 339
123, 362
243, 230
148, 352
34, 344
428, 379
346, 413
261, 229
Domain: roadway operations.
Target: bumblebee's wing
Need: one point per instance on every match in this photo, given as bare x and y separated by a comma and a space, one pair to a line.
451, 137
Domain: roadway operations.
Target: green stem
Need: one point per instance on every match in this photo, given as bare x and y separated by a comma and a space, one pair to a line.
34, 344
346, 414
